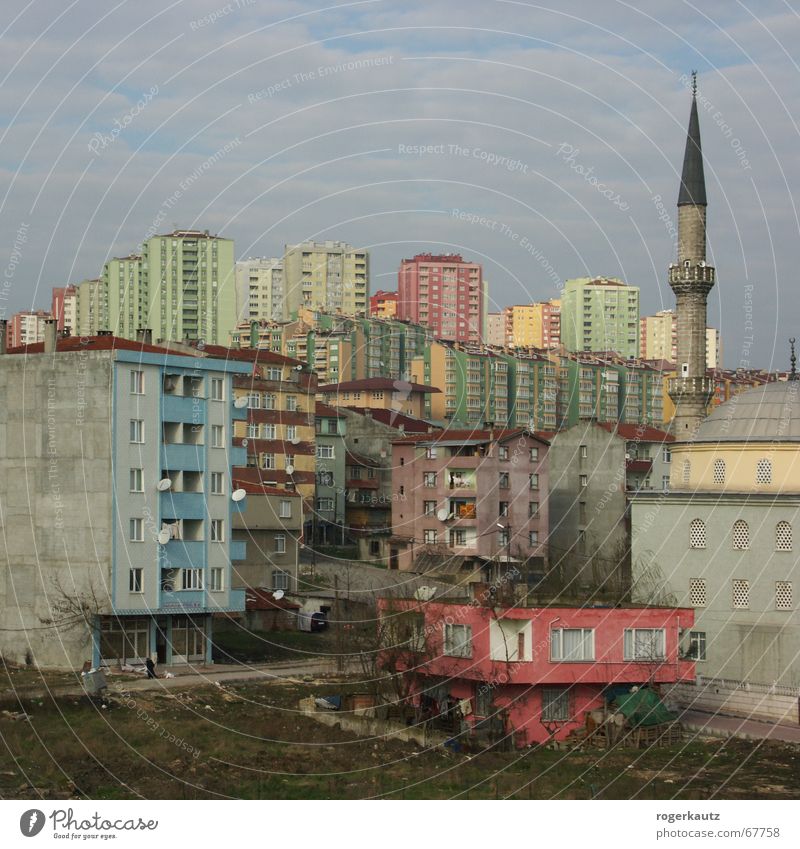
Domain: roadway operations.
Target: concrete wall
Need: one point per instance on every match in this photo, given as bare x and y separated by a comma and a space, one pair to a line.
258, 526
55, 499
728, 697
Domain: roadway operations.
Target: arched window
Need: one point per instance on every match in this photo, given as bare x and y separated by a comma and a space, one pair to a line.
697, 533
764, 471
783, 536
719, 471
741, 535
687, 471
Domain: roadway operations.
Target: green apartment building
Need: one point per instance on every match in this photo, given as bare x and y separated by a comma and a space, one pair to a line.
599, 314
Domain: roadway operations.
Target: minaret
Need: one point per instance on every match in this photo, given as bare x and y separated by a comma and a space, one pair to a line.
691, 281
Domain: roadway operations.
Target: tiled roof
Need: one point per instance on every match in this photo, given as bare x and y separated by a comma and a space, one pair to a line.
374, 383
638, 433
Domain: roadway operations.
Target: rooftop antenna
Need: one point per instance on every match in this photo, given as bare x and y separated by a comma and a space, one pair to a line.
793, 358
694, 84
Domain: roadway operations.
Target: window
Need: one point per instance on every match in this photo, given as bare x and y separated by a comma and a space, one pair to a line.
291, 432
502, 452
584, 480
280, 543
280, 579
533, 537
217, 436
291, 403
687, 471
719, 471
503, 484
217, 530
324, 504
430, 453
269, 431
217, 483
253, 400
252, 431
555, 704
503, 511
268, 461
137, 383
697, 533
666, 455
533, 509
764, 471
217, 577
217, 389
783, 536
697, 592
325, 452
584, 451
783, 595
696, 648
286, 509
137, 480
429, 479
270, 401
428, 508
458, 640
325, 478
192, 579
664, 482
572, 644
137, 530
741, 594
533, 481
645, 644
534, 455
741, 535
137, 430
274, 373
429, 536
136, 580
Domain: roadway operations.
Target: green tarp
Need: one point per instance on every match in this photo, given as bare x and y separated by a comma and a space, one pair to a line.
643, 708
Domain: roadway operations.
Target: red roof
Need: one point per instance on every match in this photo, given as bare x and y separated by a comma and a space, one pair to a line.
372, 383
324, 410
255, 488
394, 419
261, 599
637, 433
500, 435
251, 355
67, 344
638, 465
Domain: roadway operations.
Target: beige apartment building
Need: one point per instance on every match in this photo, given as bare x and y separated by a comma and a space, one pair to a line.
331, 276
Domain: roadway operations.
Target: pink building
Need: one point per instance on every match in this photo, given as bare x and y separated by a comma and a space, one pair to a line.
531, 672
470, 501
443, 293
64, 307
26, 328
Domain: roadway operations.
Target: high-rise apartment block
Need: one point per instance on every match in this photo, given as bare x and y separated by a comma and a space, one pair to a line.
495, 334
659, 339
383, 304
260, 294
444, 293
533, 325
330, 276
25, 328
600, 314
64, 308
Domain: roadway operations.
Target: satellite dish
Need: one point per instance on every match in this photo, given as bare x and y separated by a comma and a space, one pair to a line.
290, 470
278, 595
238, 494
295, 440
164, 484
163, 537
244, 443
442, 514
424, 593
240, 403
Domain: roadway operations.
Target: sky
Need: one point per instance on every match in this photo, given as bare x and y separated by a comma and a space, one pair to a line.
543, 140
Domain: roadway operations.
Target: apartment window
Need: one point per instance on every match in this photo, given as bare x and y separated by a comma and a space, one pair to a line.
136, 580
137, 383
325, 504
533, 537
325, 478
458, 640
137, 480
270, 401
503, 510
254, 401
783, 595
503, 452
286, 509
428, 508
252, 431
217, 389
696, 647
291, 432
584, 451
430, 453
534, 455
217, 530
192, 579
741, 593
274, 374
503, 484
572, 644
280, 543
217, 577
429, 536
697, 533
429, 479
584, 481
137, 530
741, 535
666, 455
783, 536
217, 483
764, 471
280, 579
325, 452
555, 704
697, 592
137, 430
268, 461
664, 482
291, 403
217, 436
719, 471
645, 644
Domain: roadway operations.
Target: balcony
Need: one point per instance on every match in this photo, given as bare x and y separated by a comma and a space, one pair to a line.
179, 601
461, 478
183, 505
183, 554
187, 410
188, 458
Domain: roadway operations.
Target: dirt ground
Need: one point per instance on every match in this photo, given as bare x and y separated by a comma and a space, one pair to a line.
249, 741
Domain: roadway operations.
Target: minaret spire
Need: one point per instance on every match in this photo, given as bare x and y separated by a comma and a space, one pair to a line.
691, 280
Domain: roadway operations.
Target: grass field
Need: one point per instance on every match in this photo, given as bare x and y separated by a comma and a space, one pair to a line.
250, 742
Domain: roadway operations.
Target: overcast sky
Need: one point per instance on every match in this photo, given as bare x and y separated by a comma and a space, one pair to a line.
272, 122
